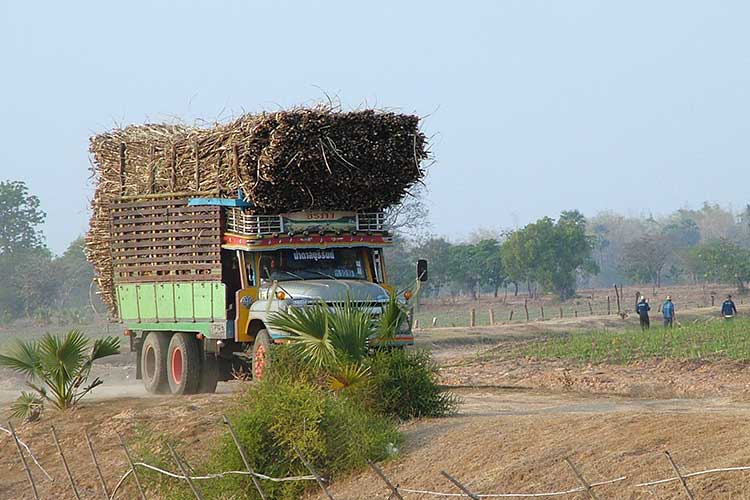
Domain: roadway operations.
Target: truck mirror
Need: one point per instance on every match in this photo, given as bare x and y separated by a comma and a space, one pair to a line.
422, 270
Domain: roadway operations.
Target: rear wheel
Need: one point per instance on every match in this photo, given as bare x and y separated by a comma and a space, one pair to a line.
261, 354
209, 374
184, 367
154, 362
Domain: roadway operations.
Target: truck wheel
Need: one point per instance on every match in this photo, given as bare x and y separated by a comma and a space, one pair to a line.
154, 362
184, 370
209, 374
261, 354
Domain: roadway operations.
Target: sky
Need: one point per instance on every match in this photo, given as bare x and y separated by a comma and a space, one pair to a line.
533, 107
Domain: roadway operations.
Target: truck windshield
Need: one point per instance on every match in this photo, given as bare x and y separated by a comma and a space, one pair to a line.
308, 264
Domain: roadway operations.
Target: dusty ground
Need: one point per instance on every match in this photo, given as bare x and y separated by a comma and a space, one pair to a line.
518, 420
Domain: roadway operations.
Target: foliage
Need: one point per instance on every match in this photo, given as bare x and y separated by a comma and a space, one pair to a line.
334, 433
551, 253
721, 261
19, 217
644, 259
405, 384
706, 340
57, 368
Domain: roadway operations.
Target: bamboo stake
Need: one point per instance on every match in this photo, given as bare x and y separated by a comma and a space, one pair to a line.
319, 479
237, 443
132, 468
23, 460
460, 486
581, 480
96, 464
185, 472
679, 475
65, 463
379, 472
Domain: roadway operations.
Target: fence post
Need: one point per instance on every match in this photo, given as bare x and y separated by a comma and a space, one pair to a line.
132, 468
526, 308
460, 486
581, 480
23, 460
185, 473
575, 312
617, 295
492, 317
96, 464
473, 317
65, 463
609, 308
591, 309
682, 479
315, 474
541, 308
510, 316
561, 312
244, 457
434, 321
382, 475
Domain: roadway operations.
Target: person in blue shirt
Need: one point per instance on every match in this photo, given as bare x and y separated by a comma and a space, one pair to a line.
642, 308
667, 309
728, 309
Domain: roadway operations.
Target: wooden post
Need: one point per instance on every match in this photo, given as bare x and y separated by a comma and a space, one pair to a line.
541, 308
526, 308
173, 162
713, 298
591, 309
416, 325
492, 316
510, 316
617, 295
382, 476
244, 457
132, 468
185, 472
23, 461
460, 486
319, 479
65, 464
434, 321
96, 464
609, 307
682, 479
561, 313
473, 317
575, 312
152, 169
581, 480
122, 169
196, 153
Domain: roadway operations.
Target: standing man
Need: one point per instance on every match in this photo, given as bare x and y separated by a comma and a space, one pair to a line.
642, 308
728, 309
667, 309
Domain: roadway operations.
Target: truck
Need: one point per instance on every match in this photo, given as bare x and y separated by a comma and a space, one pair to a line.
196, 280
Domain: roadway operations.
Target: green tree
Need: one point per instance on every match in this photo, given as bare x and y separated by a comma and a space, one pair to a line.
19, 217
488, 259
721, 261
74, 274
644, 258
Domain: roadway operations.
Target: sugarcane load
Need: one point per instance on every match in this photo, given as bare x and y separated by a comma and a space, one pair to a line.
198, 235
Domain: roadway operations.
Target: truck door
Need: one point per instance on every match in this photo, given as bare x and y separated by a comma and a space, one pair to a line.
246, 295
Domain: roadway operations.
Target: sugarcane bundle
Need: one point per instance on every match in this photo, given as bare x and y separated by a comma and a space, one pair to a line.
299, 159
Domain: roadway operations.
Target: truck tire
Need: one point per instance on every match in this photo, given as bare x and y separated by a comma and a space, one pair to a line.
154, 362
261, 354
184, 364
209, 374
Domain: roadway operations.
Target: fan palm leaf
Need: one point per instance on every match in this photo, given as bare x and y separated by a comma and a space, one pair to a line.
309, 331
390, 321
23, 358
351, 329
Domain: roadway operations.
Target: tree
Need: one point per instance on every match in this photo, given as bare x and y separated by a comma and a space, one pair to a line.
74, 274
551, 253
410, 216
645, 257
488, 258
722, 261
19, 217
437, 251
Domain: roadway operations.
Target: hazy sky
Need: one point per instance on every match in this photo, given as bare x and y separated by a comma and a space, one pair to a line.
537, 107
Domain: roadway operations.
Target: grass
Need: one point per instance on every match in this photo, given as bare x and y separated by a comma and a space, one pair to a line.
714, 339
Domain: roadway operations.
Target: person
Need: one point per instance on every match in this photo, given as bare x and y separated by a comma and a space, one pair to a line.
667, 309
728, 309
642, 308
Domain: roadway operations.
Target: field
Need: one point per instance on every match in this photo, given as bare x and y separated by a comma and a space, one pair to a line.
592, 388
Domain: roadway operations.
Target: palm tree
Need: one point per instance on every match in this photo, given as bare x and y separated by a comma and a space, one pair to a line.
57, 370
338, 338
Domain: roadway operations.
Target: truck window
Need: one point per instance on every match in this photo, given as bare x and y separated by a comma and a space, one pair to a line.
313, 264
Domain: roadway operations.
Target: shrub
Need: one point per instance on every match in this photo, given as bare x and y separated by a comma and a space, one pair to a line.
335, 433
405, 384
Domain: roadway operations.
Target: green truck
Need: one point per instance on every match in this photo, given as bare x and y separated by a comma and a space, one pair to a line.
197, 278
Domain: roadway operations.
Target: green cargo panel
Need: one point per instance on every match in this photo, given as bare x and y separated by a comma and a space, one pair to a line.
171, 302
